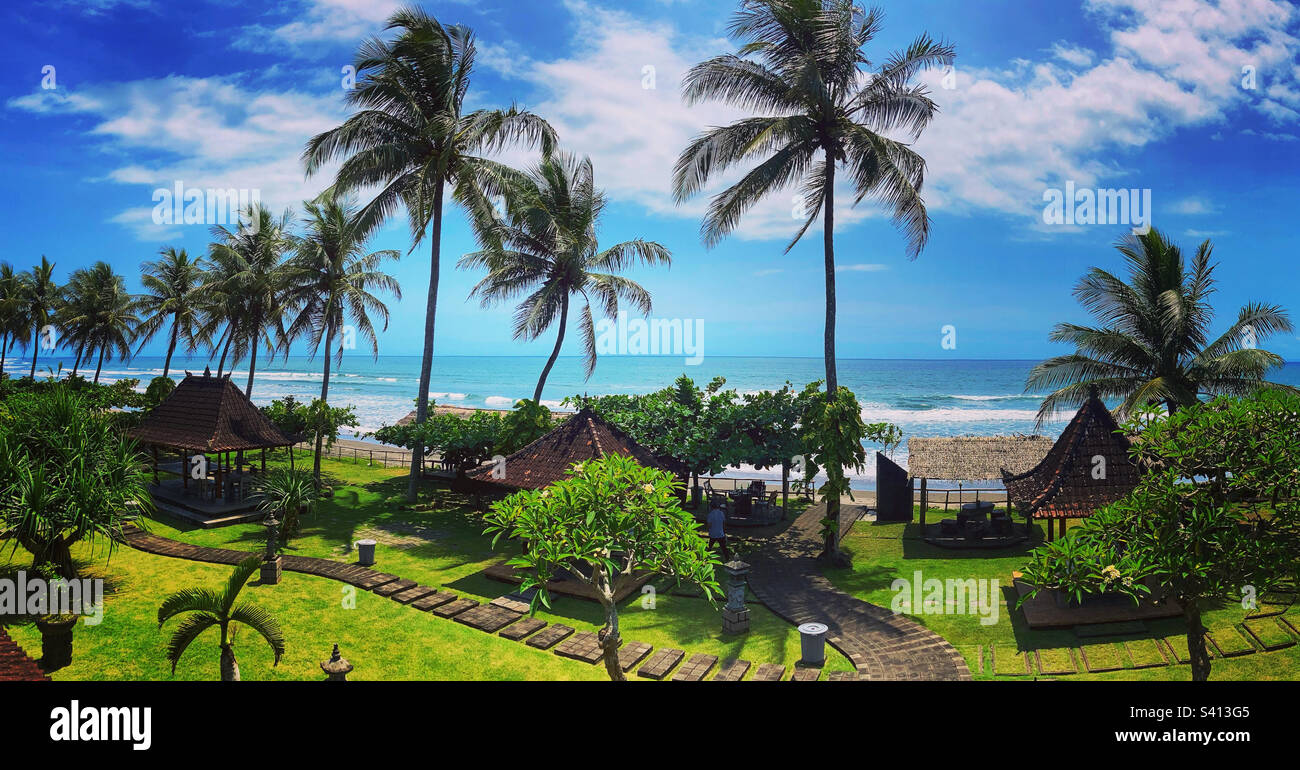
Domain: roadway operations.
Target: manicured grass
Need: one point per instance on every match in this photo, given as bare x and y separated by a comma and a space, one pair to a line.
883, 553
439, 544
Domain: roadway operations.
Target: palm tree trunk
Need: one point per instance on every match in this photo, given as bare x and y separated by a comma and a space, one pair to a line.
555, 353
100, 364
831, 545
171, 347
4, 353
81, 350
229, 666
426, 364
324, 396
252, 367
221, 365
36, 349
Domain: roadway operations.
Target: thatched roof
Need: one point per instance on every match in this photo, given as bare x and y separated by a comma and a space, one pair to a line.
973, 458
16, 665
1071, 481
208, 414
584, 436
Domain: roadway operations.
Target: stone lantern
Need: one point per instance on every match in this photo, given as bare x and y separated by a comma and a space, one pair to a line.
271, 559
337, 667
735, 615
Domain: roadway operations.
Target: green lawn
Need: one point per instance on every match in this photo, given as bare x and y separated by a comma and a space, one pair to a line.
884, 552
439, 544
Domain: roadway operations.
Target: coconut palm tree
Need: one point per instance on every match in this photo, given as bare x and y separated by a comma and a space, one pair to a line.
13, 322
802, 70
548, 249
248, 274
171, 284
1152, 344
218, 609
40, 300
411, 139
331, 280
97, 314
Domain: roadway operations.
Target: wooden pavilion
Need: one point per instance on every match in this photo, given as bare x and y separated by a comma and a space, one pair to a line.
207, 417
583, 436
1087, 468
969, 458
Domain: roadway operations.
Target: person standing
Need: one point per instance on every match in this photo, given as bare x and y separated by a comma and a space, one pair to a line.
717, 520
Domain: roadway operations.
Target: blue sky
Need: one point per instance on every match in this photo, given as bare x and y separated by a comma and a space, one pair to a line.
1103, 93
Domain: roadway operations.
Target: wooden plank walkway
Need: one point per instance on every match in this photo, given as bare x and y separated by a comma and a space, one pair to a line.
504, 615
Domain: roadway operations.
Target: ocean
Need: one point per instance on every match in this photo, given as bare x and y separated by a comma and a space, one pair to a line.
923, 397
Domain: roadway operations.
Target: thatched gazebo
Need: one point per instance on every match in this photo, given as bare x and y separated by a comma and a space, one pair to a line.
1087, 468
208, 415
970, 458
583, 436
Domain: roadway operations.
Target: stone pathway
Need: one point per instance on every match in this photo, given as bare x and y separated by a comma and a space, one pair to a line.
785, 576
505, 616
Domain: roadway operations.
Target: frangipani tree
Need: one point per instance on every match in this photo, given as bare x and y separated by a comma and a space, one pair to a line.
1215, 519
611, 518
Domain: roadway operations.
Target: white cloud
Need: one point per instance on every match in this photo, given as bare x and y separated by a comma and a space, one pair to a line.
861, 268
203, 132
1192, 206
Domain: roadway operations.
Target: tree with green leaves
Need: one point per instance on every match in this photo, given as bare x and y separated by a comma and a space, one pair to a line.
611, 518
1215, 518
1151, 344
97, 315
247, 281
40, 300
833, 431
526, 423
172, 286
204, 608
545, 247
13, 316
802, 69
289, 495
67, 475
411, 139
331, 280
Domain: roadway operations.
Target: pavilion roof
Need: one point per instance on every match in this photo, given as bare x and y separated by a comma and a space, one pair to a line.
208, 414
16, 665
973, 458
1088, 467
583, 436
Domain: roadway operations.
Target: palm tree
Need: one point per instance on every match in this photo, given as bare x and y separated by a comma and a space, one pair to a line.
40, 300
171, 284
13, 323
248, 274
802, 69
98, 314
332, 279
548, 249
411, 139
213, 608
1151, 344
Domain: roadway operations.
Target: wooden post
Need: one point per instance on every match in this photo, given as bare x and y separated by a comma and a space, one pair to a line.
185, 469
291, 457
153, 450
925, 502
263, 460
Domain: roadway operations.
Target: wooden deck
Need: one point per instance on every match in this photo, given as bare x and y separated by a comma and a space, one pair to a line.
173, 498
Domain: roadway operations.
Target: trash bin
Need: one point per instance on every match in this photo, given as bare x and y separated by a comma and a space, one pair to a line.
812, 643
365, 552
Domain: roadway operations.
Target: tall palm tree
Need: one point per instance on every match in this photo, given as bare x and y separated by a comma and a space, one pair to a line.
547, 248
331, 280
802, 69
40, 300
13, 323
98, 314
249, 274
171, 285
218, 609
411, 139
1151, 344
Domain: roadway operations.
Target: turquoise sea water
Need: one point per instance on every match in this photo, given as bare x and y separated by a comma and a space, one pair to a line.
924, 398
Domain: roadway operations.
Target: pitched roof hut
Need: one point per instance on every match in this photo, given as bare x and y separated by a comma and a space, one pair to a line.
1088, 467
208, 414
583, 436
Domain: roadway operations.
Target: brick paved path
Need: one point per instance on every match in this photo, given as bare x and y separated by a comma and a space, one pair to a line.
786, 578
